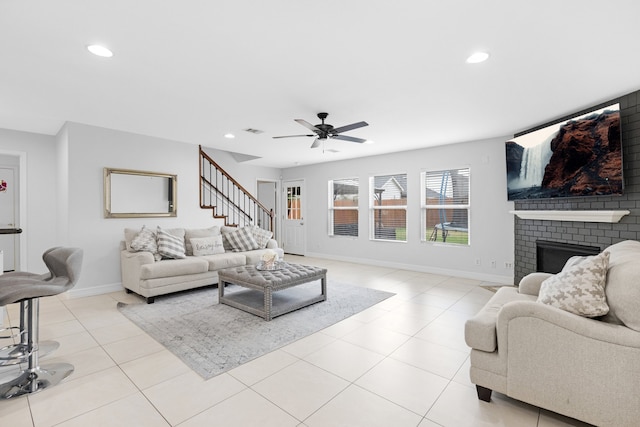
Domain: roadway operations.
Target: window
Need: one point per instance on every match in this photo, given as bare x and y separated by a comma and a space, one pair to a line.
294, 208
445, 206
343, 207
388, 207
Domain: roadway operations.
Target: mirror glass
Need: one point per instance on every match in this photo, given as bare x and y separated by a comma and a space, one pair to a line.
137, 194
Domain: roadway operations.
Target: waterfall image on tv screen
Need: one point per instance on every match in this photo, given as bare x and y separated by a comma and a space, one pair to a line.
581, 156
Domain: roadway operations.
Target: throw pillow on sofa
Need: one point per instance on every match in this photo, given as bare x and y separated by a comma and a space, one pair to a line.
197, 233
145, 241
207, 245
170, 246
241, 240
579, 289
261, 236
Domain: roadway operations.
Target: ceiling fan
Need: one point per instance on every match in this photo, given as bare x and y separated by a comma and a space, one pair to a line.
324, 131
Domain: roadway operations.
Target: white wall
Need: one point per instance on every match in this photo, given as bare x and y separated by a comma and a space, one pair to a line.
64, 203
90, 149
492, 227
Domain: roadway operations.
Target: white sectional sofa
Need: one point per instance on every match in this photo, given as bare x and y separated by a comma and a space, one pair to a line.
150, 273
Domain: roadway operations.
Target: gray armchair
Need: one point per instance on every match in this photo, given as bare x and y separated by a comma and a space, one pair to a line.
584, 368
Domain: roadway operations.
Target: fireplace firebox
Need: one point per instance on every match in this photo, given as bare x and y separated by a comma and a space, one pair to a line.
552, 256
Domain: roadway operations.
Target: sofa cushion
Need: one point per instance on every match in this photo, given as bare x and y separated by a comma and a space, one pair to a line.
579, 289
623, 284
225, 260
261, 236
480, 330
198, 232
207, 245
242, 240
174, 267
170, 245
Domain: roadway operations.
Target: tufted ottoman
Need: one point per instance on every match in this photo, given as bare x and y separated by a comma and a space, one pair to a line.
263, 303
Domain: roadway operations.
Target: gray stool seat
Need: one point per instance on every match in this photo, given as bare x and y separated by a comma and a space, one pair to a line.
64, 265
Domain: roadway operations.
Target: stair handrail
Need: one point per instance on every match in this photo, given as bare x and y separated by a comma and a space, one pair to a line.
267, 211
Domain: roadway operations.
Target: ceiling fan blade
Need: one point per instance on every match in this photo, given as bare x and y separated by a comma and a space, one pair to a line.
307, 125
316, 143
348, 138
350, 127
290, 136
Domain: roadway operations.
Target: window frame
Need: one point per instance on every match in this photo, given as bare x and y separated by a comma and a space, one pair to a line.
373, 208
425, 208
332, 208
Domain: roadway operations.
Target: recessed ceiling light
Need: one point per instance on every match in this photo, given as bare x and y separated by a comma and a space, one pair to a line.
98, 50
368, 141
229, 135
477, 57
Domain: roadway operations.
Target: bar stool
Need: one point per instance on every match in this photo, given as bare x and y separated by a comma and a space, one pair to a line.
18, 353
65, 265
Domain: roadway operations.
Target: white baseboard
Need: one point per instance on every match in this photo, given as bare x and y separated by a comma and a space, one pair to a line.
92, 291
494, 278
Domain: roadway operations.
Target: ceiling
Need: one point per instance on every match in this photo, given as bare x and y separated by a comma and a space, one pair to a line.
194, 70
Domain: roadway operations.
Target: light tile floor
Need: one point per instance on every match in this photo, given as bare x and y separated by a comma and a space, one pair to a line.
402, 362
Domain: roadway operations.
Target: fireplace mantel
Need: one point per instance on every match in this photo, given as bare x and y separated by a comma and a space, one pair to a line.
581, 216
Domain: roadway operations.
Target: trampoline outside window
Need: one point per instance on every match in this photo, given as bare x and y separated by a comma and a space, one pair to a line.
446, 206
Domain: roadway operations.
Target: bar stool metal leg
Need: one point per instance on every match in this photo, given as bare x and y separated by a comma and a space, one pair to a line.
19, 353
34, 378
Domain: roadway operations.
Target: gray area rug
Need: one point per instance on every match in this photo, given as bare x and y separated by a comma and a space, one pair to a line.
212, 338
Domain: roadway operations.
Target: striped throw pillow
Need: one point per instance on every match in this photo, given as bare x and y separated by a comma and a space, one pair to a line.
170, 246
242, 240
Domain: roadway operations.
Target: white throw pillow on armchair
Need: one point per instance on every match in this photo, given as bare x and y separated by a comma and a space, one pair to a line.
579, 289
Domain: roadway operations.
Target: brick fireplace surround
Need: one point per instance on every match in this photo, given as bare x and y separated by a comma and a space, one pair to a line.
527, 231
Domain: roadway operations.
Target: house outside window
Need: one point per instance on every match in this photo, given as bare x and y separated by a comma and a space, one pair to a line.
343, 207
446, 206
388, 207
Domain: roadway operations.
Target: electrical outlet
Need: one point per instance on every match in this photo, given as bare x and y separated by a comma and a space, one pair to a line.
508, 265
478, 262
493, 263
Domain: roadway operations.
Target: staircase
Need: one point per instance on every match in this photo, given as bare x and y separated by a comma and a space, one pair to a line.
228, 199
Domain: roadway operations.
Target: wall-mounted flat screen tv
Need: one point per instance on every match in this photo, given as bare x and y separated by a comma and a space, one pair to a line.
581, 156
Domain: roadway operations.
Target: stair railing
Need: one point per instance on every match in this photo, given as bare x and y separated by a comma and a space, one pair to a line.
228, 199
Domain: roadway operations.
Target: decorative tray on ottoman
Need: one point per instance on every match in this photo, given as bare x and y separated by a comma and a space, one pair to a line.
277, 265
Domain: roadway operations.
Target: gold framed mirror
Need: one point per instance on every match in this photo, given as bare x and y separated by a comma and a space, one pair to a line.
139, 194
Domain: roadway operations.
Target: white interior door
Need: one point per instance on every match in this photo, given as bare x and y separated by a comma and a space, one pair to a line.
8, 193
293, 221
